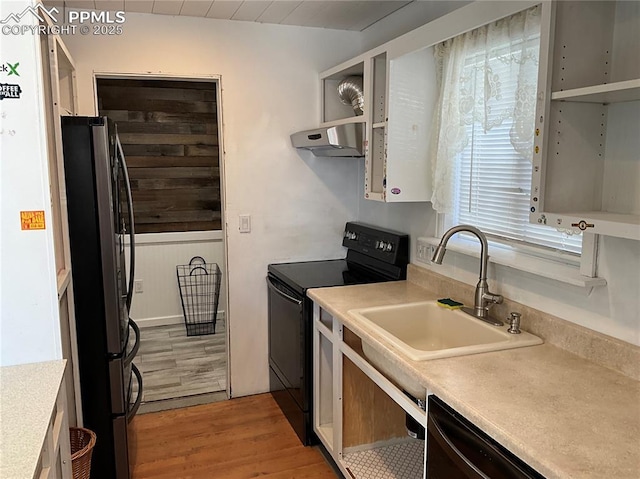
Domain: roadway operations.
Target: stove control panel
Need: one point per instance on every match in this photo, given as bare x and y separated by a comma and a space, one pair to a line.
389, 246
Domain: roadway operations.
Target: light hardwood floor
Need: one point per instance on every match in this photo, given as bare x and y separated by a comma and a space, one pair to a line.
236, 439
175, 365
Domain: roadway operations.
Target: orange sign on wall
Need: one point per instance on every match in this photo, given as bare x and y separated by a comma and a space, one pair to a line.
32, 220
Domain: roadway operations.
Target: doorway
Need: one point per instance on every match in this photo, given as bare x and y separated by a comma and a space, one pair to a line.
170, 133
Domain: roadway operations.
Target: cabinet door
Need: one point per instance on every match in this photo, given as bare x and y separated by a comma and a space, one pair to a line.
403, 96
412, 101
55, 457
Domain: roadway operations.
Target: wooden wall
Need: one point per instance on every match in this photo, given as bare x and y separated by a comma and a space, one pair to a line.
169, 134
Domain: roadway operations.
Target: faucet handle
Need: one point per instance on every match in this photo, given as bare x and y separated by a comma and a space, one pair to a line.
514, 323
492, 298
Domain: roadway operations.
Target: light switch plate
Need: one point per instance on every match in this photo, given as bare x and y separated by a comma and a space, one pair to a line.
244, 223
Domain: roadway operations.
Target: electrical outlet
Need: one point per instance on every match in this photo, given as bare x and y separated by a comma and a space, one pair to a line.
424, 251
137, 286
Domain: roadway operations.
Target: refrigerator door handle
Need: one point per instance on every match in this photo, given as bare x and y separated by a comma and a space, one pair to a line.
132, 234
136, 346
117, 386
133, 408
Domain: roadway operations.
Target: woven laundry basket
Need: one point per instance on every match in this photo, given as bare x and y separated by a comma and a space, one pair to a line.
82, 441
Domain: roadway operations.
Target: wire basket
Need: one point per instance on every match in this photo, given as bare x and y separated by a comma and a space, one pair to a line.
82, 442
199, 285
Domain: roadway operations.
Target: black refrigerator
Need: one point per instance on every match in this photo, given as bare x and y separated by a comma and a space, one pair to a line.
99, 204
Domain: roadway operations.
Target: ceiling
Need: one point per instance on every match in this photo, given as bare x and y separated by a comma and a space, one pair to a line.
337, 14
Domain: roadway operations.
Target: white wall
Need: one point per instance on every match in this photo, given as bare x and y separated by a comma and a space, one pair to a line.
157, 255
298, 203
29, 317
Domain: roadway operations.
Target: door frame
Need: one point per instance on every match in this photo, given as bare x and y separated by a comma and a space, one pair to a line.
217, 80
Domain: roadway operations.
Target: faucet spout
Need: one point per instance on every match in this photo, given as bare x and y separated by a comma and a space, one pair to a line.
483, 297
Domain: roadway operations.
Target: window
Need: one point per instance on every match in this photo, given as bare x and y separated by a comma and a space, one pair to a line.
485, 132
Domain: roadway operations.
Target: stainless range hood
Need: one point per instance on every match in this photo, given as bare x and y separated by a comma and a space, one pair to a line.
341, 140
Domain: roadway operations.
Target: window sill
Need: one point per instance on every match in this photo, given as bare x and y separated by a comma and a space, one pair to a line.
544, 267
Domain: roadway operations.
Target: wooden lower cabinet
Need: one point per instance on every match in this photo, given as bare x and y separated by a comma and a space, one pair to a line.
359, 415
55, 458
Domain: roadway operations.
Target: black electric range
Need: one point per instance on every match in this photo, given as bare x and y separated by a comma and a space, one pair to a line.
373, 255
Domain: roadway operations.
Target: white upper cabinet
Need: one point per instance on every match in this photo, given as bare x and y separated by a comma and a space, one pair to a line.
399, 96
412, 100
587, 149
400, 93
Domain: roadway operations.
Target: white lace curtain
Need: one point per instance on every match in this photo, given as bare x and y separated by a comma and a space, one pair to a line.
472, 70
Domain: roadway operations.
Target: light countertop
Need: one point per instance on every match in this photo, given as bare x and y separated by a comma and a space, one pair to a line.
27, 398
565, 416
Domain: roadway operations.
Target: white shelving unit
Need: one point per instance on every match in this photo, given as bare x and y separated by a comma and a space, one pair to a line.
586, 152
60, 98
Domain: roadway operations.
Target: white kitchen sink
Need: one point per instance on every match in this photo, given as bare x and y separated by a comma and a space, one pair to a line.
425, 331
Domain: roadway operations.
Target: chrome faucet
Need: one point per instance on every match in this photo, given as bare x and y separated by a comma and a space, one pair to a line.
484, 299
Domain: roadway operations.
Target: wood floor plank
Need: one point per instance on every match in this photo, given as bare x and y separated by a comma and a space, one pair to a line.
237, 439
174, 365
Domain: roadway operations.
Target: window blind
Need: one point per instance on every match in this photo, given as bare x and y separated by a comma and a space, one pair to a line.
493, 180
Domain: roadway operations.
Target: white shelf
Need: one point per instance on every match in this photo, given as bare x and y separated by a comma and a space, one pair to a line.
402, 460
355, 66
382, 124
609, 93
629, 219
344, 121
614, 224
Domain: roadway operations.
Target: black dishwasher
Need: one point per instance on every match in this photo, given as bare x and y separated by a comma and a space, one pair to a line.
456, 449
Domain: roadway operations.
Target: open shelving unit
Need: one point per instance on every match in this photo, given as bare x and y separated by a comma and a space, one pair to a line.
359, 415
335, 112
586, 151
60, 99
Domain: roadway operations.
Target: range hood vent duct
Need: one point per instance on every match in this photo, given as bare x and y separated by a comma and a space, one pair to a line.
350, 93
340, 140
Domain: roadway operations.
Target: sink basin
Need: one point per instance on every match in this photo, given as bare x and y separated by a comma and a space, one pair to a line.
426, 331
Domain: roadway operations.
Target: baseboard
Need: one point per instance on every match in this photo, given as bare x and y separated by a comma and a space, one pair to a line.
168, 320
182, 402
